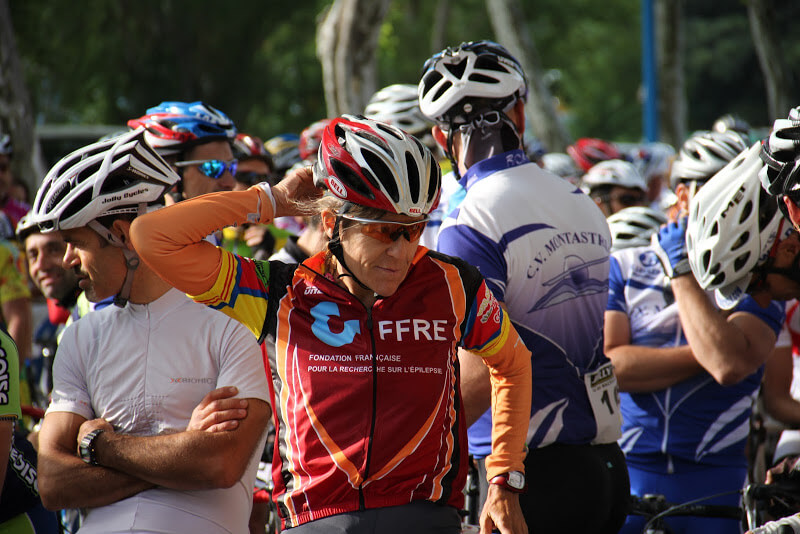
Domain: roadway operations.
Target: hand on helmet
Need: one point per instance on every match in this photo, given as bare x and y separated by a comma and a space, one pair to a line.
296, 186
669, 245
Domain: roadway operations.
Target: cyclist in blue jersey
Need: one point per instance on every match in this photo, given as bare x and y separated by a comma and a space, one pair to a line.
542, 246
688, 372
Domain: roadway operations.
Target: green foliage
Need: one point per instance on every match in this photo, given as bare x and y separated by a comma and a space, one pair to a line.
107, 62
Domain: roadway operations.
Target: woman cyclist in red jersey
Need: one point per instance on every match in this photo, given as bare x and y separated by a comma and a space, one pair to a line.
371, 434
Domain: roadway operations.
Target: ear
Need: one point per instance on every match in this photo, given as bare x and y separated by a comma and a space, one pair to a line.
328, 220
518, 116
682, 192
440, 137
793, 209
122, 229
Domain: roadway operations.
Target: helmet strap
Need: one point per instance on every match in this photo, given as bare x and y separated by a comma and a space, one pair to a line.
131, 257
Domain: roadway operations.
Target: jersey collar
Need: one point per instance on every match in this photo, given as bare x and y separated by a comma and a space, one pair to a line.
484, 168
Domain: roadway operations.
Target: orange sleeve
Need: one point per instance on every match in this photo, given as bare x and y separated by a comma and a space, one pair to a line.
510, 374
171, 240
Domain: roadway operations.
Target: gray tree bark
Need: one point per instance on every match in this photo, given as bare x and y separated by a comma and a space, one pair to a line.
438, 32
770, 55
347, 41
508, 24
16, 112
671, 45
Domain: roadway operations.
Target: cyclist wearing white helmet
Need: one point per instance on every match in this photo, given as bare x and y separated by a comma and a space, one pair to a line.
687, 372
543, 247
195, 139
134, 384
370, 428
615, 184
633, 227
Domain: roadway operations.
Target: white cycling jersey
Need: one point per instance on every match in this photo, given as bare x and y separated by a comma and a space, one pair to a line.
144, 368
542, 246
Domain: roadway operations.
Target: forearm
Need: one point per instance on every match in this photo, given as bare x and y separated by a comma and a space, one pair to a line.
189, 460
65, 481
18, 316
718, 344
510, 373
171, 240
642, 369
785, 409
476, 387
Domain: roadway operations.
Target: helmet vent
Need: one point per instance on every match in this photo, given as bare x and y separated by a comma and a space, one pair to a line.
740, 262
714, 229
430, 79
719, 280
442, 90
747, 210
384, 174
742, 241
390, 131
477, 77
77, 204
457, 69
706, 259
413, 177
351, 179
487, 62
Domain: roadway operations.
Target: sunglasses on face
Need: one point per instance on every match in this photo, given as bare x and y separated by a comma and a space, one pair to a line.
626, 200
212, 168
389, 232
253, 178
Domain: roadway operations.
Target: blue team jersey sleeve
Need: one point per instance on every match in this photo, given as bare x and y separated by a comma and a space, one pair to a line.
774, 314
479, 250
616, 288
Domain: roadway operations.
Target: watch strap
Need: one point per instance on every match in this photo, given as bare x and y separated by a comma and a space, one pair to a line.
87, 448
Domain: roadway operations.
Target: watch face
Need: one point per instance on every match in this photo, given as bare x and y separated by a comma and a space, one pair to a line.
516, 480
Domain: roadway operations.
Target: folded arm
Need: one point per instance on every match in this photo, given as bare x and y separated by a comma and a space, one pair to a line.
642, 369
66, 481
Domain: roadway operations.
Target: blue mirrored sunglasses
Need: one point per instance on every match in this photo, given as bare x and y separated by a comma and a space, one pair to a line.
213, 168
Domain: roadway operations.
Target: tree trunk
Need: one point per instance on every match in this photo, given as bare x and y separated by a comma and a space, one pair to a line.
770, 55
16, 113
439, 30
347, 41
508, 25
671, 85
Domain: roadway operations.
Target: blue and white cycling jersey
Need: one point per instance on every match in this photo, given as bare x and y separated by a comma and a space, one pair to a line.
696, 420
542, 246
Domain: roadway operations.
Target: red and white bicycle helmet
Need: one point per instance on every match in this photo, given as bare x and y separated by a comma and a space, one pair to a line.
119, 175
703, 154
311, 138
474, 70
372, 164
174, 127
732, 226
588, 152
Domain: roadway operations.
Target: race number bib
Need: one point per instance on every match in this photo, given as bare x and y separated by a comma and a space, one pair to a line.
603, 392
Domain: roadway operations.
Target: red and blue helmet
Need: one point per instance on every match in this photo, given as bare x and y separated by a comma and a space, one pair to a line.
174, 127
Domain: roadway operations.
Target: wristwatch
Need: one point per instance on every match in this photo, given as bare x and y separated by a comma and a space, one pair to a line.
86, 449
512, 481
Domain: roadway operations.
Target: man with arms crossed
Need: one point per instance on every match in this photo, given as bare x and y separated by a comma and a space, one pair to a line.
128, 379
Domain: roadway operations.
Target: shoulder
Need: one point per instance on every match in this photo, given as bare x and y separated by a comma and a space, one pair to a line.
468, 273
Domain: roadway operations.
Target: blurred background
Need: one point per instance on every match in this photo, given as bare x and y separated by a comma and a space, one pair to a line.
72, 71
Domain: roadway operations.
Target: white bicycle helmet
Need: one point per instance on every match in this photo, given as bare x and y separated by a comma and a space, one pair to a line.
781, 154
732, 225
473, 70
105, 178
632, 227
562, 165
372, 164
614, 172
398, 105
703, 154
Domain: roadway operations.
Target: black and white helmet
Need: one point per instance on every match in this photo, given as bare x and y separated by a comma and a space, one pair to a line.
614, 172
781, 154
732, 225
119, 175
703, 154
632, 227
455, 78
